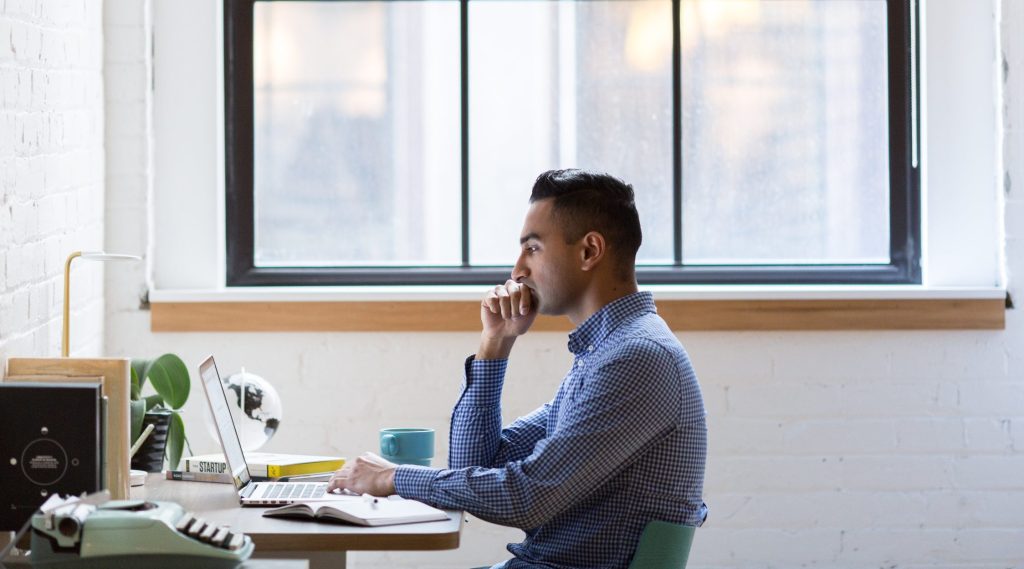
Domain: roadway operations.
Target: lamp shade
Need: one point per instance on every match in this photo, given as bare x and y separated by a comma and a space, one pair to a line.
101, 256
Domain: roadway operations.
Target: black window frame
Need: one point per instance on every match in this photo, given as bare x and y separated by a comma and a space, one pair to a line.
904, 180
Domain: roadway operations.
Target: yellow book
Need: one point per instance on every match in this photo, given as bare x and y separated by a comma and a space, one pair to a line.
279, 470
268, 465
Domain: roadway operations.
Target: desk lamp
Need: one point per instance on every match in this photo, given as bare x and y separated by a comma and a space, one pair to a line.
91, 256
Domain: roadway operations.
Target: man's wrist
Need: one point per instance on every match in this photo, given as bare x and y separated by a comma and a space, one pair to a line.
495, 348
391, 481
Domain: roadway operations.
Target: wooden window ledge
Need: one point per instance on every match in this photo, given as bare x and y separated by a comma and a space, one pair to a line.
260, 310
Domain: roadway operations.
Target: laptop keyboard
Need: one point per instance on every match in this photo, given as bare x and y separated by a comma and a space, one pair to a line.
295, 490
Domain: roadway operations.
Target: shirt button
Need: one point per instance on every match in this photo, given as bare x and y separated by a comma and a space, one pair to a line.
590, 348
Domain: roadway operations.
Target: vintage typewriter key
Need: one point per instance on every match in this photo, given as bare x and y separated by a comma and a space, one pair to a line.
218, 538
183, 523
207, 533
196, 527
237, 541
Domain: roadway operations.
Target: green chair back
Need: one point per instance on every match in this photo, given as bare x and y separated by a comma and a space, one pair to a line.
663, 545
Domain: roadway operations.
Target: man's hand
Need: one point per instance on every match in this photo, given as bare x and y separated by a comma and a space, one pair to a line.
507, 312
368, 474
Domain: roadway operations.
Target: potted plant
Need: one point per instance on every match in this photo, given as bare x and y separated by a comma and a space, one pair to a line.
170, 380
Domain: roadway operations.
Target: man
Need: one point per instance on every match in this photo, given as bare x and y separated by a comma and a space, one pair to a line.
624, 440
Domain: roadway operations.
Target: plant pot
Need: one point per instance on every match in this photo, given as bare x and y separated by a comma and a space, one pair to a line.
151, 456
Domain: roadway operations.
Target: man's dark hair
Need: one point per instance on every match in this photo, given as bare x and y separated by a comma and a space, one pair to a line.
589, 201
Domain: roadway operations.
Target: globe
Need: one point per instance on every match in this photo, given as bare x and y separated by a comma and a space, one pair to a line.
256, 409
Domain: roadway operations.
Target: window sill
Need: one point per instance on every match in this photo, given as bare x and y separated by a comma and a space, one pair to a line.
685, 308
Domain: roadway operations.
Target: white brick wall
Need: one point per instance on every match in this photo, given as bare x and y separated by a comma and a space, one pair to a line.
51, 173
827, 450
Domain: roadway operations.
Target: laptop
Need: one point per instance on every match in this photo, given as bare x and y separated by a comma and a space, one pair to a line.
251, 492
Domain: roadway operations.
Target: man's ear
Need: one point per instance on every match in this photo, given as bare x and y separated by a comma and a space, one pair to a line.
593, 249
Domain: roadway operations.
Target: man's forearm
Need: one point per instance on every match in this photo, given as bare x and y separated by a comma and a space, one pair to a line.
476, 418
495, 348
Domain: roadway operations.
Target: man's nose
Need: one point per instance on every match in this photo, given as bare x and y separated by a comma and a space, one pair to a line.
519, 271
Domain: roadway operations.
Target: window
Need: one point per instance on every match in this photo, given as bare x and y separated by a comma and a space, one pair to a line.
395, 142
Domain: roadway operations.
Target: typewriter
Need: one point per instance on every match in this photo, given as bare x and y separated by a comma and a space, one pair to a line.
92, 532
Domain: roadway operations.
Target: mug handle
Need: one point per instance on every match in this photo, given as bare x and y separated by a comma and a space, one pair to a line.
389, 444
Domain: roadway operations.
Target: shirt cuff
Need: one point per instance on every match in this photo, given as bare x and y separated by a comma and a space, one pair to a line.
483, 381
414, 482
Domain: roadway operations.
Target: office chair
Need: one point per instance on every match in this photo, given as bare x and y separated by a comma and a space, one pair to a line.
663, 545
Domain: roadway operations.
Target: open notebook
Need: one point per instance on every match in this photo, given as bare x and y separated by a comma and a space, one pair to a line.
362, 510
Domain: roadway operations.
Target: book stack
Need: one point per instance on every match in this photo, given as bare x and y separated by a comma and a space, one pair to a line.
114, 375
266, 465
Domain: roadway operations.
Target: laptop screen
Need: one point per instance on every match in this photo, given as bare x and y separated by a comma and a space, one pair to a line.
225, 423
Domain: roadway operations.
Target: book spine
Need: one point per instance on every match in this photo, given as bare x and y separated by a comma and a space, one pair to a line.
206, 466
277, 471
223, 478
104, 452
220, 467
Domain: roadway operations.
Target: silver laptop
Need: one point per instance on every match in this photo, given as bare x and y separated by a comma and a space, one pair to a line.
250, 492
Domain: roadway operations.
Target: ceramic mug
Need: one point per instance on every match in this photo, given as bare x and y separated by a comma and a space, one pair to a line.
407, 446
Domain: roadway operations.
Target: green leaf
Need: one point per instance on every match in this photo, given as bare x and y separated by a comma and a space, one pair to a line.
138, 412
138, 375
170, 379
175, 441
153, 401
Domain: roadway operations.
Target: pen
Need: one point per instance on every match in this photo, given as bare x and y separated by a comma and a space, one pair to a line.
371, 499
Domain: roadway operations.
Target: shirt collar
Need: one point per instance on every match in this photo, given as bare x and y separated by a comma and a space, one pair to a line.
588, 335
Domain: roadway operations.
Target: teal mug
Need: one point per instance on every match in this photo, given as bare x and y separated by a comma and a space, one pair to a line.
407, 446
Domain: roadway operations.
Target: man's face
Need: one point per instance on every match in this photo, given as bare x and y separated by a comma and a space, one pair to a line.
547, 265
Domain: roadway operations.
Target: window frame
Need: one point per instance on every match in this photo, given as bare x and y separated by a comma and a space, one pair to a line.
904, 180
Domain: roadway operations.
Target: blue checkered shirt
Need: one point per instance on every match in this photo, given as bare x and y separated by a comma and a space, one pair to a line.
623, 442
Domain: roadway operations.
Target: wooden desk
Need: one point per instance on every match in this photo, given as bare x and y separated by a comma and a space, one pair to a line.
23, 563
324, 544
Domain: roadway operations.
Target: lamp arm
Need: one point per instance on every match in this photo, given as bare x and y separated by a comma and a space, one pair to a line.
64, 345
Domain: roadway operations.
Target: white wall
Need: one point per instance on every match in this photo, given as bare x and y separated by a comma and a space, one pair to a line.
830, 450
51, 174
128, 76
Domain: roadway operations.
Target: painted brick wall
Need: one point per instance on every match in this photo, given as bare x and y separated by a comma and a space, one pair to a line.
827, 450
51, 173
